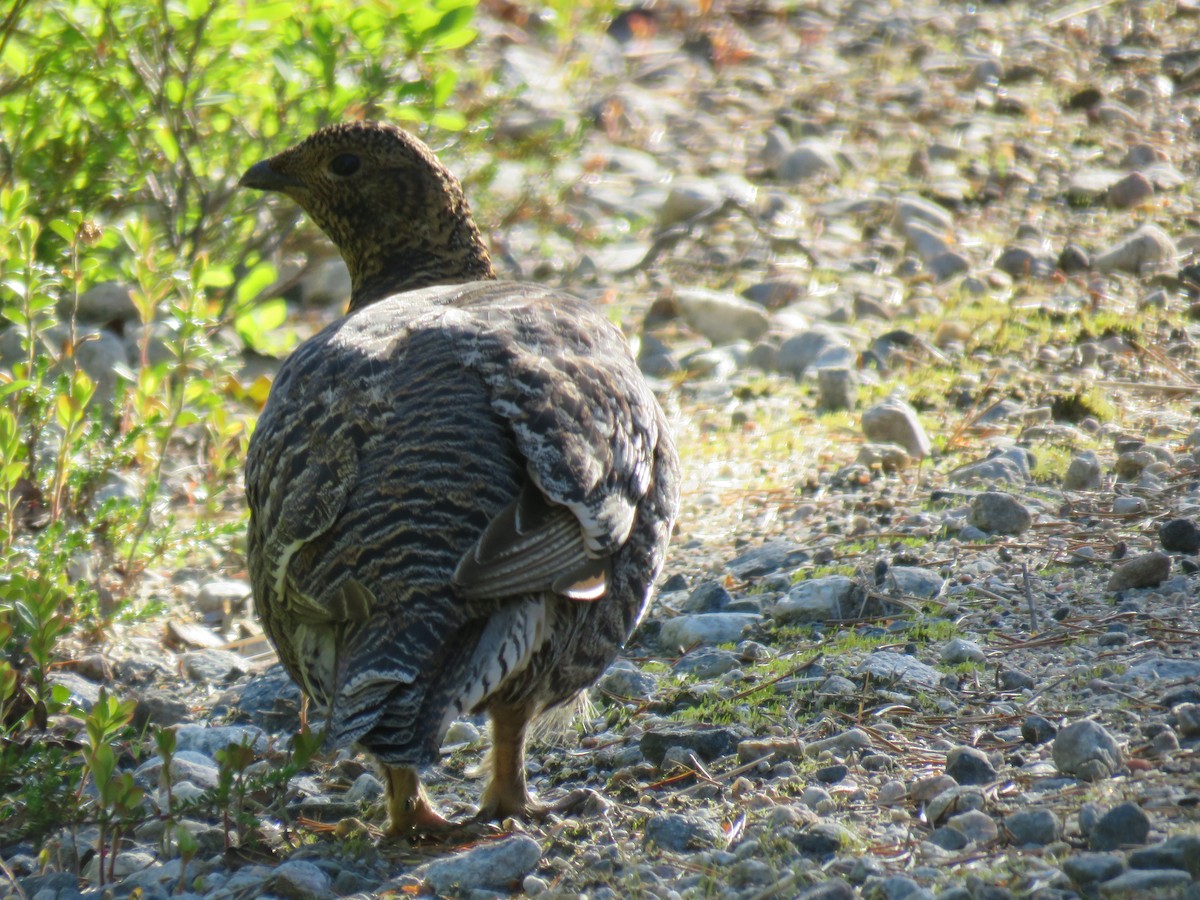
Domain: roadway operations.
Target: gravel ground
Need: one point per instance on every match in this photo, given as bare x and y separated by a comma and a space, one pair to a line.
918, 289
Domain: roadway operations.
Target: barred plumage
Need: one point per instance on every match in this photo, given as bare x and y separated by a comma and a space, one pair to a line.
460, 493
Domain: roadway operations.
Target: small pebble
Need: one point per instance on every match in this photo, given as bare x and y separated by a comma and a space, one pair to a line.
1086, 750
1122, 825
1148, 570
999, 513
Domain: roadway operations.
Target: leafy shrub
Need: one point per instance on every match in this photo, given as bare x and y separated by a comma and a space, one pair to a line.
123, 129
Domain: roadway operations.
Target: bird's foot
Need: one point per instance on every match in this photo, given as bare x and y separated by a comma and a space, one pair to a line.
496, 805
410, 814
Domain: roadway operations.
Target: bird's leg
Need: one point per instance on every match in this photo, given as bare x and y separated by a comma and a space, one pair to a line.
506, 794
409, 809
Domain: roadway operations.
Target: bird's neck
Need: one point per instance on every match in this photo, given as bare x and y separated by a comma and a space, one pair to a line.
410, 269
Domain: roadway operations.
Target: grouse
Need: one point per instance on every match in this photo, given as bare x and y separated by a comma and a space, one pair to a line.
461, 492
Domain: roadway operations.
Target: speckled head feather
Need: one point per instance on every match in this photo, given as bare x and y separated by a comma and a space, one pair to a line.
397, 215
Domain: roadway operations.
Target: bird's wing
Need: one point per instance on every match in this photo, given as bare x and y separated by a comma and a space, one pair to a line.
586, 423
295, 498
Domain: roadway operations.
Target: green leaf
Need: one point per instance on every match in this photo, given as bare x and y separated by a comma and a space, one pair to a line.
454, 30
166, 142
254, 282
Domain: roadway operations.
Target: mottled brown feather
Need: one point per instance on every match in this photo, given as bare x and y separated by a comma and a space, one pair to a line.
461, 492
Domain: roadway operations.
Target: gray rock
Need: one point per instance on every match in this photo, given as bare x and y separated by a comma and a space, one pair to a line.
823, 839
270, 700
1179, 536
894, 421
108, 301
1021, 262
126, 863
814, 796
815, 600
1091, 185
222, 596
776, 146
366, 788
707, 742
625, 679
298, 879
688, 197
1037, 730
885, 457
1130, 465
1148, 570
720, 317
995, 469
999, 513
775, 292
837, 686
914, 581
960, 650
83, 693
1016, 680
1139, 883
208, 739
948, 265
156, 706
926, 242
954, 802
101, 354
1083, 474
1132, 190
948, 838
214, 666
707, 662
888, 666
715, 364
655, 358
497, 866
1179, 852
913, 208
978, 826
704, 628
1188, 717
767, 559
808, 159
1033, 826
837, 388
186, 765
1087, 751
925, 789
1158, 668
763, 356
800, 352
1074, 258
1089, 868
894, 887
969, 765
461, 732
1123, 824
1147, 246
678, 832
710, 596
833, 889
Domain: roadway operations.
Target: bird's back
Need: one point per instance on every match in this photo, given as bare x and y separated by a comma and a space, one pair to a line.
389, 443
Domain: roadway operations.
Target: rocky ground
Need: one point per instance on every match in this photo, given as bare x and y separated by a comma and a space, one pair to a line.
916, 286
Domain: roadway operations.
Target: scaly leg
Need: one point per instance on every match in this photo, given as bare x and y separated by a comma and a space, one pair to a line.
409, 809
506, 794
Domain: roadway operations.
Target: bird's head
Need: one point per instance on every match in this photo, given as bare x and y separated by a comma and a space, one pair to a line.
397, 215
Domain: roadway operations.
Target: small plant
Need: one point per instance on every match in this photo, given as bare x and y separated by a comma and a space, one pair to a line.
119, 799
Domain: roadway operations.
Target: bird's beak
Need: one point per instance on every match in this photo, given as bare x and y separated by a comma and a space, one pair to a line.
262, 177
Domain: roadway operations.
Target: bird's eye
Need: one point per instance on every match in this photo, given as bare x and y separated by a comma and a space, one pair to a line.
344, 164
